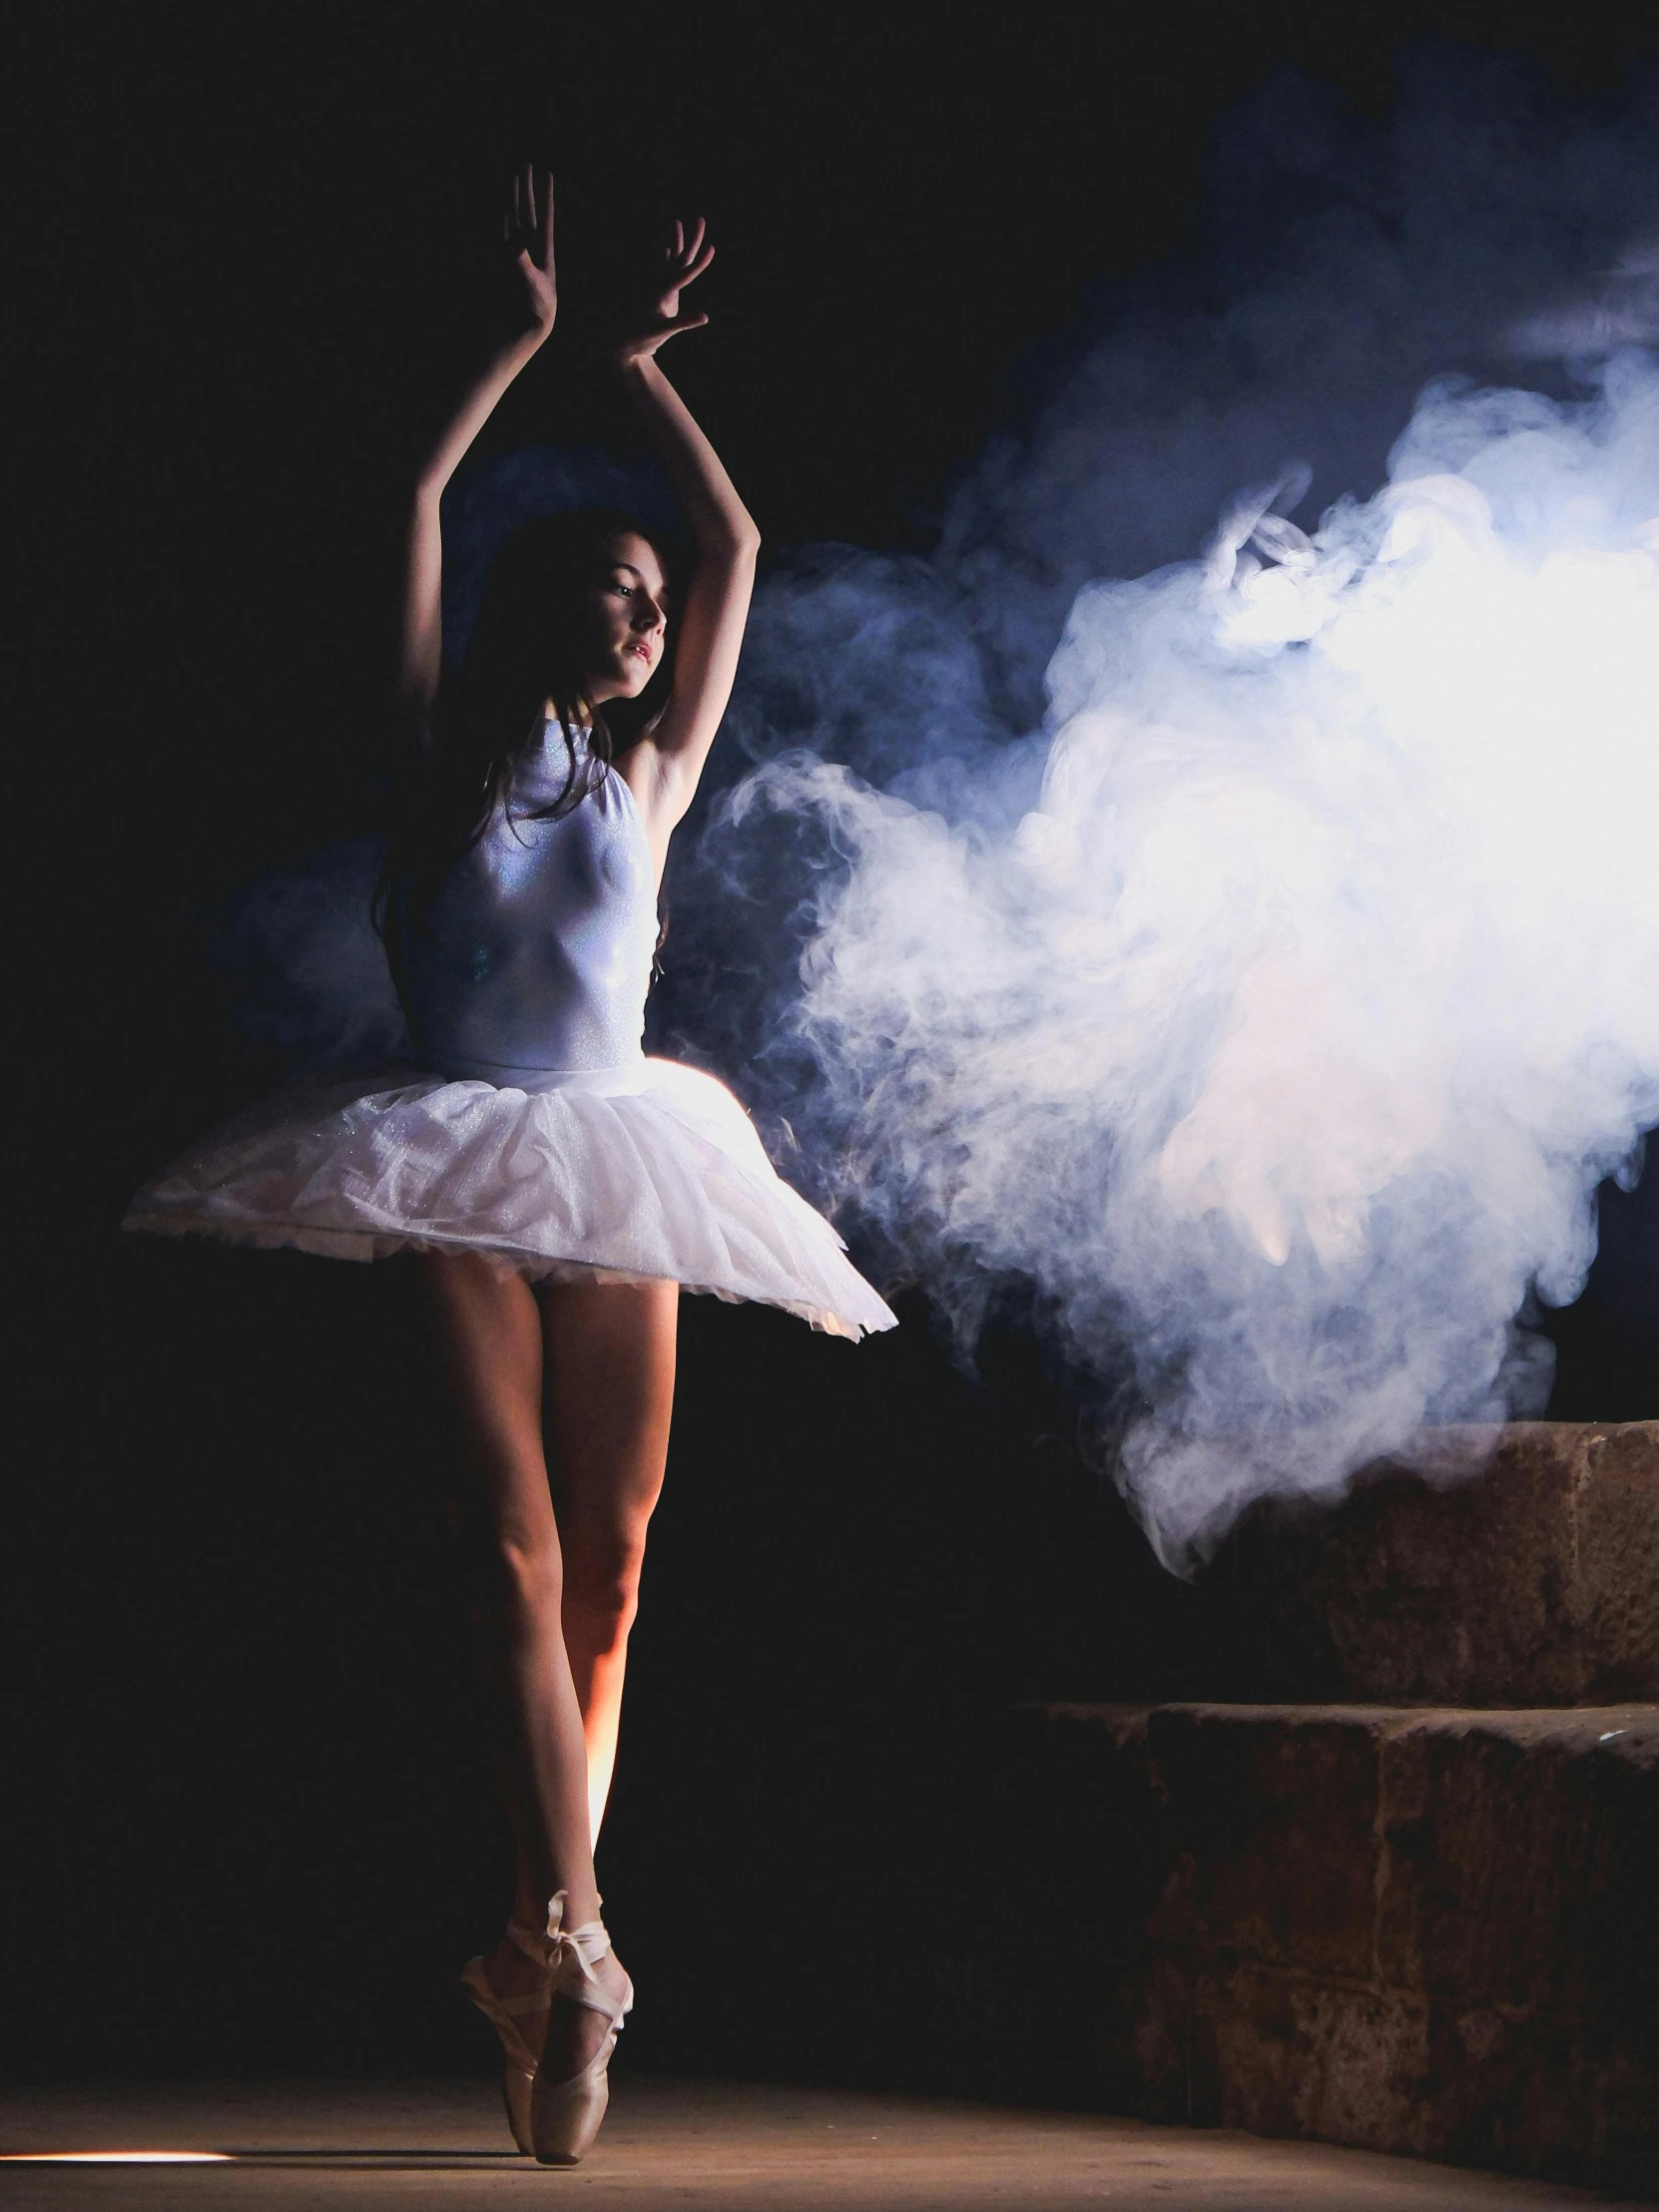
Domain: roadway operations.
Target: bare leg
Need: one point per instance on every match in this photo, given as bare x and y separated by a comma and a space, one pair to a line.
610, 1398
489, 1330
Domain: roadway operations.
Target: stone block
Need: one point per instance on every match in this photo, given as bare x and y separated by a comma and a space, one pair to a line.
1267, 1833
1510, 1567
1414, 1931
1283, 2054
1519, 1856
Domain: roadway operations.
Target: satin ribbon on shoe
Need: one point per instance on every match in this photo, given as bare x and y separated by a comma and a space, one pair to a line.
565, 1954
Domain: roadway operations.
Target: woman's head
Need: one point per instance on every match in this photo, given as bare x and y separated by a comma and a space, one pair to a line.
624, 617
574, 616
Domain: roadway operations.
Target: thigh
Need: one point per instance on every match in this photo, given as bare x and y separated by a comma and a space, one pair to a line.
489, 1339
610, 1398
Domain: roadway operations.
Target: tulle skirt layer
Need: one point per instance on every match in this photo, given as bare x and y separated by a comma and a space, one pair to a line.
658, 1176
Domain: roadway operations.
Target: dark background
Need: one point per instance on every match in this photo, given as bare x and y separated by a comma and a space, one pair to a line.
245, 1804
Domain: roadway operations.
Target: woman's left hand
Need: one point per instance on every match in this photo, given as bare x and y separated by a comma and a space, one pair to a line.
684, 261
528, 230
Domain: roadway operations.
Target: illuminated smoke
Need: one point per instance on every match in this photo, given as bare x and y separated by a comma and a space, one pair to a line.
1274, 1011
1284, 1039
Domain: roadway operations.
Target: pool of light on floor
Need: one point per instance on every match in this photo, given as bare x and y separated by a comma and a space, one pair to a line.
116, 2158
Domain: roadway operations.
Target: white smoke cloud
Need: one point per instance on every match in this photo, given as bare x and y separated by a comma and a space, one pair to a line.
1285, 1040
1280, 1038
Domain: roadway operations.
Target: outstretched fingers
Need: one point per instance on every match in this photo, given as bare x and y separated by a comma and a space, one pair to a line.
687, 257
527, 222
527, 230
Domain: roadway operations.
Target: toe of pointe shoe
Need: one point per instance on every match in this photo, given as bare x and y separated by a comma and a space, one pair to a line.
520, 2060
565, 2117
515, 2096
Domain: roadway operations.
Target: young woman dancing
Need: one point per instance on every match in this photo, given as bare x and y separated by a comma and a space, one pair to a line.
559, 1186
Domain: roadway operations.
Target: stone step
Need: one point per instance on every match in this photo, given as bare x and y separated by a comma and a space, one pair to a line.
1432, 1931
1510, 1567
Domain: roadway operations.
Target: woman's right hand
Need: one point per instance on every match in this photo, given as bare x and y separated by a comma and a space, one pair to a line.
528, 228
684, 261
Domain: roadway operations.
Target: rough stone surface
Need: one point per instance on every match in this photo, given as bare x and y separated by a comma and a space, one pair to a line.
1516, 1566
1415, 1930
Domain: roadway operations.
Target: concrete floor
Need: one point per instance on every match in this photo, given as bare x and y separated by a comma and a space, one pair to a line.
724, 2146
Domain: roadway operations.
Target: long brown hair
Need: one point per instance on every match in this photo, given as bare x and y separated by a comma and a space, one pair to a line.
526, 648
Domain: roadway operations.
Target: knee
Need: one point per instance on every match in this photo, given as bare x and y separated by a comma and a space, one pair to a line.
603, 1585
528, 1571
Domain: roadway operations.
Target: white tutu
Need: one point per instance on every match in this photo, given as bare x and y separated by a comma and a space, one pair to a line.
650, 1173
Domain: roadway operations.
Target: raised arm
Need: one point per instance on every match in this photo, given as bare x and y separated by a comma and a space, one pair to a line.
663, 770
529, 229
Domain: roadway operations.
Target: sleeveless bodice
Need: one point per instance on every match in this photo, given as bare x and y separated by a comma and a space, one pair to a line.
531, 967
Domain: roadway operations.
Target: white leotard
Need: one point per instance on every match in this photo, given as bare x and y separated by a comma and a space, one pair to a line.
531, 967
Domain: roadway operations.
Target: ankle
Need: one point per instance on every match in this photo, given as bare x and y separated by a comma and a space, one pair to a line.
558, 1937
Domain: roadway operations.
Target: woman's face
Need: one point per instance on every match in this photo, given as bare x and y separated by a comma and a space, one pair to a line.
627, 619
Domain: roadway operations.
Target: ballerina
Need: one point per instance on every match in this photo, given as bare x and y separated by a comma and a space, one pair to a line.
559, 1186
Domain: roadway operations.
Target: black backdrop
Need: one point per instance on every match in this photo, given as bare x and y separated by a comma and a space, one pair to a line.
243, 1801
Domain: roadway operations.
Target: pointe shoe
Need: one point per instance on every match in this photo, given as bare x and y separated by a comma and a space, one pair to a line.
504, 2014
565, 2115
